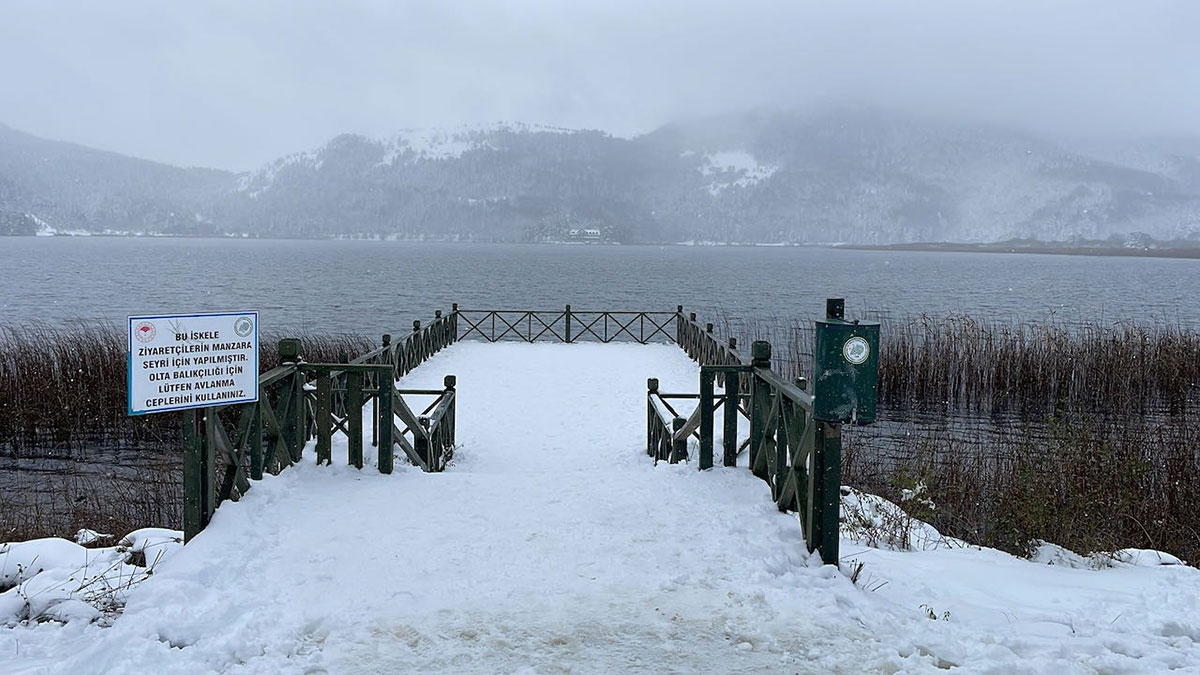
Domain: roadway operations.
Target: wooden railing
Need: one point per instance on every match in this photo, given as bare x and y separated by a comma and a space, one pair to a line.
794, 438
298, 401
798, 456
270, 436
409, 351
569, 325
796, 453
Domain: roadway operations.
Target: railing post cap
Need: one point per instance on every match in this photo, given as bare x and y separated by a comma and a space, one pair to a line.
835, 308
692, 316
450, 381
733, 343
708, 327
652, 383
289, 350
416, 326
454, 306
387, 339
437, 314
760, 350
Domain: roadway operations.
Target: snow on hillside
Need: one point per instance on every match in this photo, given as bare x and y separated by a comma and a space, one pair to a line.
257, 182
413, 145
553, 544
734, 168
408, 146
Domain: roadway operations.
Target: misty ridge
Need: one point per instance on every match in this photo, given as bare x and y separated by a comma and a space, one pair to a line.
844, 174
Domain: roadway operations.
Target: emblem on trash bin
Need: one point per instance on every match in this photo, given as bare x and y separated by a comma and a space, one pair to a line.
856, 350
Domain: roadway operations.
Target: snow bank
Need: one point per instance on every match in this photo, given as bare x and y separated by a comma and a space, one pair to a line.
58, 580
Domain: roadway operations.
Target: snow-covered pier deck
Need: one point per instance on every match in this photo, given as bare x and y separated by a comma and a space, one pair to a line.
552, 543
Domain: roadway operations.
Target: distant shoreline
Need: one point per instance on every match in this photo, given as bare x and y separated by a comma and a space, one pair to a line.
1191, 253
1118, 252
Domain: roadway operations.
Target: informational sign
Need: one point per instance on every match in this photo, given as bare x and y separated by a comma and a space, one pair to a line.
192, 361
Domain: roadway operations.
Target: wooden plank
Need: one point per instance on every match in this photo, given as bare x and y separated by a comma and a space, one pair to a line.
399, 439
690, 425
782, 442
236, 477
445, 404
400, 409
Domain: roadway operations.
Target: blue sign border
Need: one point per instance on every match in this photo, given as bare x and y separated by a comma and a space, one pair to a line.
129, 362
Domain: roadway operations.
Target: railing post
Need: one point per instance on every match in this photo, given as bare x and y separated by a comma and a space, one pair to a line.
651, 415
324, 417
256, 436
354, 417
760, 394
732, 398
198, 474
454, 320
301, 411
707, 378
384, 342
292, 395
208, 424
678, 444
450, 383
824, 492
383, 421
679, 324
567, 322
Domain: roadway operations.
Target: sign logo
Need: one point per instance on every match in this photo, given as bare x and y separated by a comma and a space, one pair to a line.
243, 326
856, 350
144, 332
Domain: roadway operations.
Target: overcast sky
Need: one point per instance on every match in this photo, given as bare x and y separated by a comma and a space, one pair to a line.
234, 84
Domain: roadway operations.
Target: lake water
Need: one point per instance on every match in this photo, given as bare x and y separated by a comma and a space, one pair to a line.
374, 287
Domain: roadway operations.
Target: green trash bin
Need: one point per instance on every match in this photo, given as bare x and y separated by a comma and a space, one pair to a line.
845, 367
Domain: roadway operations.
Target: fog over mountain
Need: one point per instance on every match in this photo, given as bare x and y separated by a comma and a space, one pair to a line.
834, 174
761, 120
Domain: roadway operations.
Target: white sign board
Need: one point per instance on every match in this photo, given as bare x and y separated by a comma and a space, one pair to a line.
192, 361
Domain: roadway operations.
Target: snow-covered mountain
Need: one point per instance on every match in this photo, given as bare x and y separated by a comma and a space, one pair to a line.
51, 186
843, 174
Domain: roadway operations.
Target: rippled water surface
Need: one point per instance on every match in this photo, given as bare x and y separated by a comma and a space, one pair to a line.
371, 286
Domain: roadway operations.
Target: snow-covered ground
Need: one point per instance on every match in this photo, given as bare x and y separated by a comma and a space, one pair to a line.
553, 544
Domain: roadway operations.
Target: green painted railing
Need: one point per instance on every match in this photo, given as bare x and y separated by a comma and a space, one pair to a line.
298, 401
568, 325
269, 436
794, 440
794, 437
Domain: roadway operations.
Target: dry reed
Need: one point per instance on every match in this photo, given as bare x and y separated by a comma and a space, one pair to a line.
1085, 435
